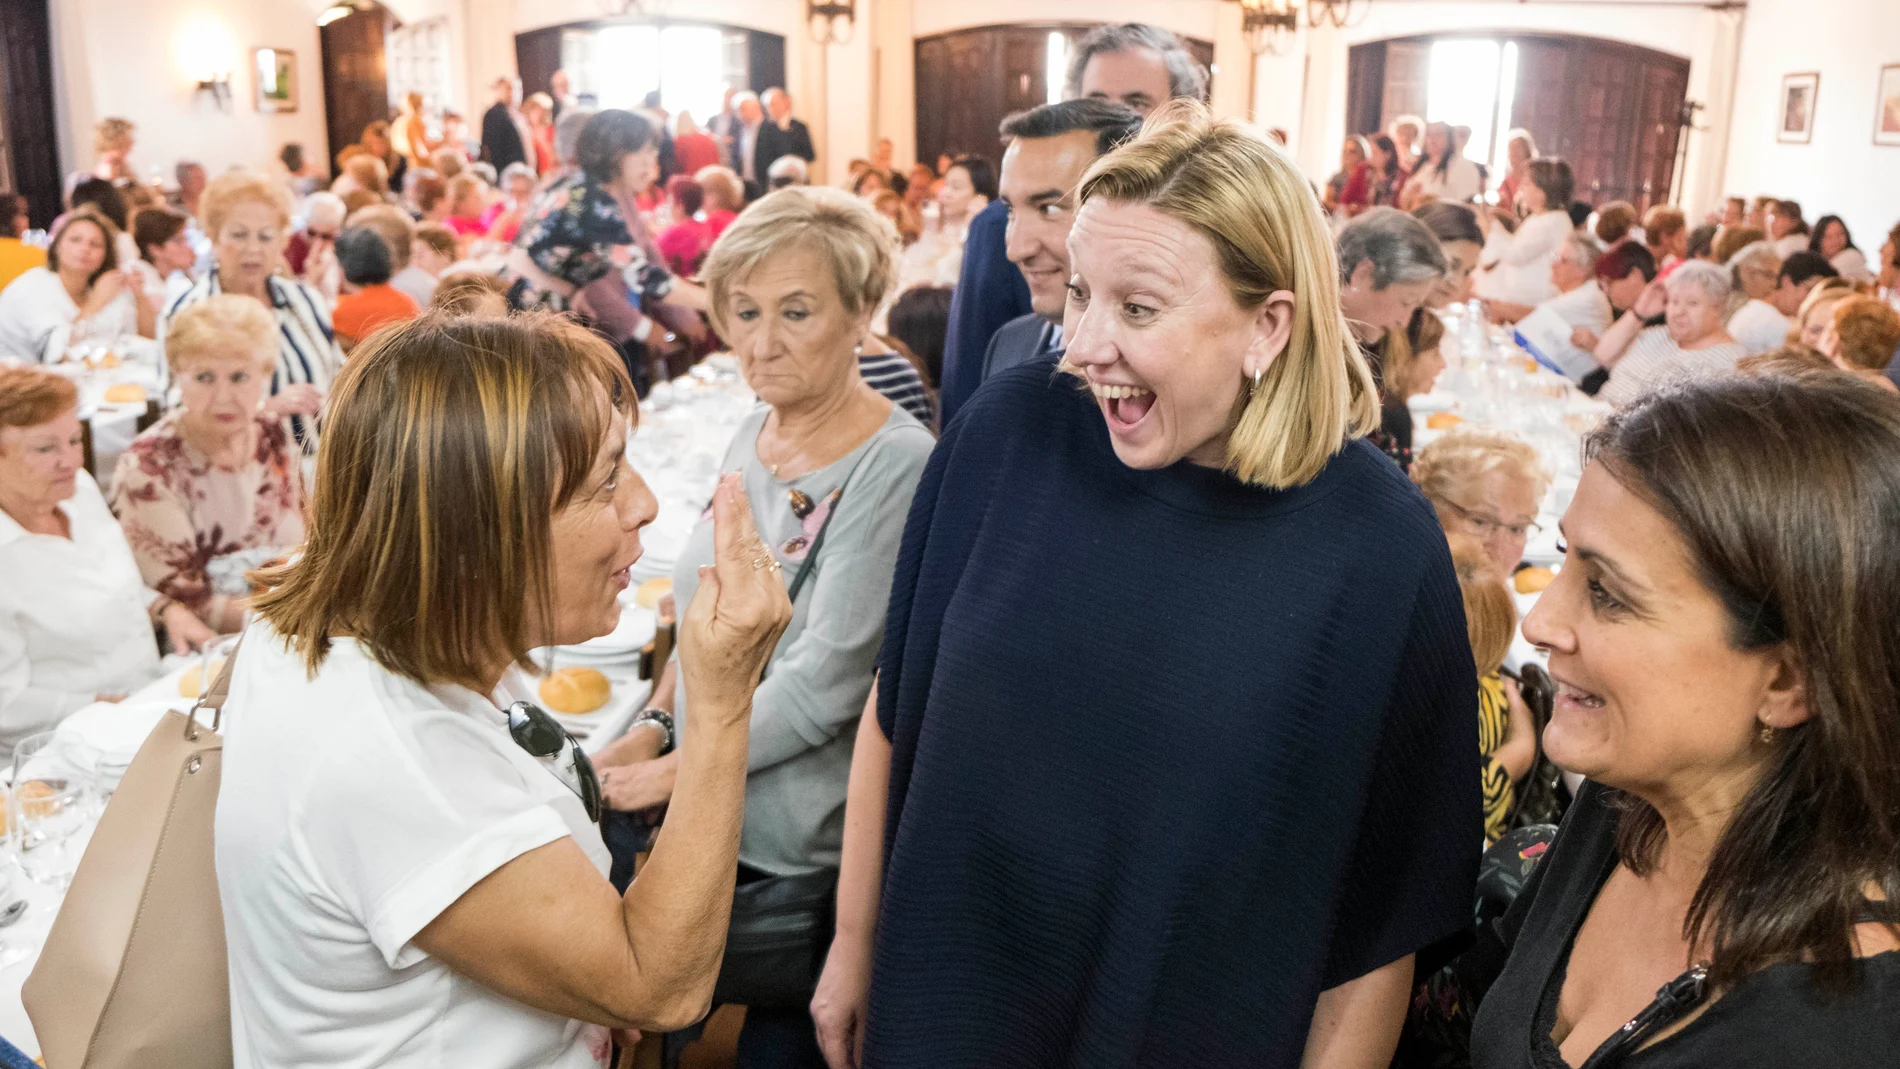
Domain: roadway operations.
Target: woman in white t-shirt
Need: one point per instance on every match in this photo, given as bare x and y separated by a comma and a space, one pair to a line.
407, 852
83, 293
1517, 262
1443, 172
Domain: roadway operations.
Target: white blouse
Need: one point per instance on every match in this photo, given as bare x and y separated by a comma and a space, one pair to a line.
1460, 183
1518, 262
73, 617
38, 318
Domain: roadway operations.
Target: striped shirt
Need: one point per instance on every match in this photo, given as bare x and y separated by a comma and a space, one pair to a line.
896, 378
307, 351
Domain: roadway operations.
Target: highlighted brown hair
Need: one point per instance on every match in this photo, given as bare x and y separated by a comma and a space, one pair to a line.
448, 445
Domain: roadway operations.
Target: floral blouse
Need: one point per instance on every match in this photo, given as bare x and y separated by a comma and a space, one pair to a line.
578, 232
196, 529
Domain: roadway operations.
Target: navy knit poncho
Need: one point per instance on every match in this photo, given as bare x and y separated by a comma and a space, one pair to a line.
1170, 754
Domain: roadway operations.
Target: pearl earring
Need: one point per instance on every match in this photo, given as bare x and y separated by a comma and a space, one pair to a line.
1767, 734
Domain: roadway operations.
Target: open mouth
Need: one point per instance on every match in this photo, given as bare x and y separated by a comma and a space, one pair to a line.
1126, 406
1576, 697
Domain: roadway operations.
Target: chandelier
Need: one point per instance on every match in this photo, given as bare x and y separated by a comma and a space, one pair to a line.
1270, 25
1337, 13
635, 8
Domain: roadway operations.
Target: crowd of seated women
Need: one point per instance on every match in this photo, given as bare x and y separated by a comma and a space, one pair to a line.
900, 689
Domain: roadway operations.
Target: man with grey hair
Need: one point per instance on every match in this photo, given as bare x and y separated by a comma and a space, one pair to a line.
1132, 64
742, 153
1136, 65
1563, 331
787, 171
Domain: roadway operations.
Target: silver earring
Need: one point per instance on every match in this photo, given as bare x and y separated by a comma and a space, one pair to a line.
1767, 734
1256, 380
858, 349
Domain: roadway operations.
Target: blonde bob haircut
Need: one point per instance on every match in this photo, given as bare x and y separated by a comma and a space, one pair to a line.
218, 326
448, 443
1451, 469
227, 191
1246, 195
858, 244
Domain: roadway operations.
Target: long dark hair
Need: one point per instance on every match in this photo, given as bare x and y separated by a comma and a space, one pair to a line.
1820, 227
982, 173
1442, 165
1784, 489
1391, 150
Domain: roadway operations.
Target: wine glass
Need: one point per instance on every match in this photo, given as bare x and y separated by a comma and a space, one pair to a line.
50, 808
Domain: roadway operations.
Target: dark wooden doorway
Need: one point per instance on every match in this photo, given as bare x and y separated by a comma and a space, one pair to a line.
355, 83
968, 81
1613, 110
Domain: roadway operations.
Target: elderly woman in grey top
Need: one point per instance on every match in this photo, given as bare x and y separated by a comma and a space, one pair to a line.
1389, 264
829, 466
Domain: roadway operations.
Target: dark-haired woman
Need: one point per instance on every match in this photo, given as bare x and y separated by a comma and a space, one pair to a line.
1836, 245
80, 294
1516, 263
936, 257
1443, 173
1723, 642
582, 246
165, 254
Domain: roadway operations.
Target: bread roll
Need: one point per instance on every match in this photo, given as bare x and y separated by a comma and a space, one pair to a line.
1533, 580
574, 691
192, 684
1443, 421
125, 393
649, 593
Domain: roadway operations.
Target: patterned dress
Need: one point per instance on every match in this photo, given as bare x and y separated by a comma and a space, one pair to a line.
196, 529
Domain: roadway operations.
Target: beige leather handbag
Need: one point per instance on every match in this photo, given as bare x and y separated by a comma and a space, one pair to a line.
133, 972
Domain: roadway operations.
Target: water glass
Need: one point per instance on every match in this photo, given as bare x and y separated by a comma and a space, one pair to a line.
51, 809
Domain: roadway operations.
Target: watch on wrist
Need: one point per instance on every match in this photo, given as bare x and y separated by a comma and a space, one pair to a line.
664, 721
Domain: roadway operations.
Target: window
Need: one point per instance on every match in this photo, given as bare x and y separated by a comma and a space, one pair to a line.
1055, 67
1473, 83
691, 65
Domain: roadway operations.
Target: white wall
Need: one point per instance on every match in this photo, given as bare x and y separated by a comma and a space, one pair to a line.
136, 59
1841, 171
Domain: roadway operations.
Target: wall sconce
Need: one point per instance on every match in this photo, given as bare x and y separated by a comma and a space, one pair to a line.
206, 53
218, 84
831, 22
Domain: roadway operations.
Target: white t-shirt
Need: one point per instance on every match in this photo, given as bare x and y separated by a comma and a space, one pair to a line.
1460, 184
1517, 264
355, 807
1759, 326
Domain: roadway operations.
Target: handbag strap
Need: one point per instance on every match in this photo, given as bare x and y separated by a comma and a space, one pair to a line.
213, 697
818, 540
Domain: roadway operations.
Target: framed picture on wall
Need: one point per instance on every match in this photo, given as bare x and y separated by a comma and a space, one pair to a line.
1887, 106
1797, 107
276, 71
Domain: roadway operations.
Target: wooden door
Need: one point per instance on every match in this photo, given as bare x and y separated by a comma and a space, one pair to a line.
355, 86
28, 151
968, 81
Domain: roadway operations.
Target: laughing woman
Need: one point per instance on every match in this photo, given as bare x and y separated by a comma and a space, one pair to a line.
1128, 658
1724, 644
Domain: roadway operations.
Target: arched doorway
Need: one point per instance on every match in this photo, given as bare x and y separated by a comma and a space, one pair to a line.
968, 81
355, 73
1614, 111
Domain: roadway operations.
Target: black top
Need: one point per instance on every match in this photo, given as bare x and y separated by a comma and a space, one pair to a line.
501, 139
1772, 1019
1170, 754
1394, 436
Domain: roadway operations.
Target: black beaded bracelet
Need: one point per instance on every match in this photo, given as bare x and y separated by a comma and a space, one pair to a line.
665, 721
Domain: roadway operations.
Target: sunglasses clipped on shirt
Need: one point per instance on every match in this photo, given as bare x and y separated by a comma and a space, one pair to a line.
541, 736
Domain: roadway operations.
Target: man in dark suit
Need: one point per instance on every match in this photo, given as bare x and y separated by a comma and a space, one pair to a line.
781, 135
502, 143
1133, 64
1050, 148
